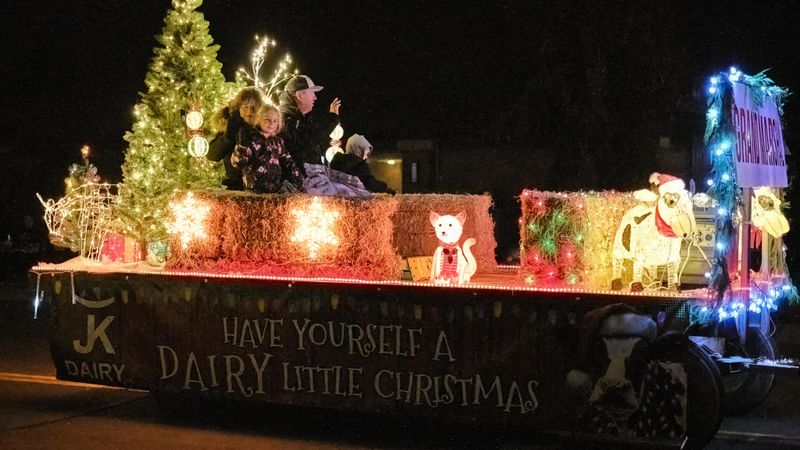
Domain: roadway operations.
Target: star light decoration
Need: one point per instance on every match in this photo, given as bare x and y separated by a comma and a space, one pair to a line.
314, 227
189, 216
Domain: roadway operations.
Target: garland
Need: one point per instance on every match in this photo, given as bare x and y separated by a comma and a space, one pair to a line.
720, 140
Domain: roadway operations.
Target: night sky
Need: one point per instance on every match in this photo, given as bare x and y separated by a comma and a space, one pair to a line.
610, 77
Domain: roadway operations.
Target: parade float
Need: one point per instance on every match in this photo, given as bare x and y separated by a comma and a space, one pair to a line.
396, 305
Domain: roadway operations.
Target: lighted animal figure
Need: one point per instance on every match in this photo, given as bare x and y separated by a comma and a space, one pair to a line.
651, 234
451, 264
766, 213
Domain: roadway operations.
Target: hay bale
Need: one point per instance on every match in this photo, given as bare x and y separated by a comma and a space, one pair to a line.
253, 233
414, 235
567, 237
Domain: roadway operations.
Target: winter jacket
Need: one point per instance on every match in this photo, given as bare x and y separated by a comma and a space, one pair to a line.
221, 148
306, 137
353, 163
266, 167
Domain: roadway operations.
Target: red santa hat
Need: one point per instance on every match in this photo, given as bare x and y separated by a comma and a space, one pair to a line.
666, 183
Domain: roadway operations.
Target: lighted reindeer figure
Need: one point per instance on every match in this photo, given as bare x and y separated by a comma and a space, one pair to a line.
651, 234
451, 264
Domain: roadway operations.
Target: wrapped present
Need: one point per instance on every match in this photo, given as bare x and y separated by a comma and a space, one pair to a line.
117, 248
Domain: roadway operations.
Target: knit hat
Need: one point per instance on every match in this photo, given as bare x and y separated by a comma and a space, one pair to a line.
666, 183
357, 145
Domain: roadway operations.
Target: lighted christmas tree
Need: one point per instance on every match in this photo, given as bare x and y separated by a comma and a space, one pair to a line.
184, 76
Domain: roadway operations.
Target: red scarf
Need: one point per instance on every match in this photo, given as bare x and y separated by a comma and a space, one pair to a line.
663, 227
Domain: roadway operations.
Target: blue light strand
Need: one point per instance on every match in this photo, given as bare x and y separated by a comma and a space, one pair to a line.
759, 300
719, 138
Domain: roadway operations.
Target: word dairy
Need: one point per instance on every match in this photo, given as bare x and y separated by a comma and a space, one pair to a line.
95, 371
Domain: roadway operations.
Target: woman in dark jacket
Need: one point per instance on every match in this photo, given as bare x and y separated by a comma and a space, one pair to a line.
240, 112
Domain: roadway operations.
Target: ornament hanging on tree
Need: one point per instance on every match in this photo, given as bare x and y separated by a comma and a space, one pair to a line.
198, 144
194, 120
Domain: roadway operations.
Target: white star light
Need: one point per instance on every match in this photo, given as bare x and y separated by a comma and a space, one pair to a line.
314, 226
189, 217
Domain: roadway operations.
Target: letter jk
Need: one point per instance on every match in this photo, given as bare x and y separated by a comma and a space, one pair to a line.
93, 334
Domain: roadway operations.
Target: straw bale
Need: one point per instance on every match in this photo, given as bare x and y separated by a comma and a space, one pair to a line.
414, 235
594, 218
252, 233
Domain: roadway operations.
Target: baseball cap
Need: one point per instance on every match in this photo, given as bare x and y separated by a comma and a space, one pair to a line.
301, 82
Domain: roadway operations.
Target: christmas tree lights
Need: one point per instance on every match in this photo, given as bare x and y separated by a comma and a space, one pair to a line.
184, 76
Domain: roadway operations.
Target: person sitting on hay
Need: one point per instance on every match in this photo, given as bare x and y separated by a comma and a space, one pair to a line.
354, 162
306, 133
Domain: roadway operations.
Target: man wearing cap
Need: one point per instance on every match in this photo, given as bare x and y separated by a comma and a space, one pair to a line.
305, 132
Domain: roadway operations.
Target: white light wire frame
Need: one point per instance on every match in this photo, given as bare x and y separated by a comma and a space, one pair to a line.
80, 219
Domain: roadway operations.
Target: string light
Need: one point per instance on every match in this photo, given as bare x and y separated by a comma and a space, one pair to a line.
507, 285
80, 219
189, 215
184, 75
282, 72
314, 227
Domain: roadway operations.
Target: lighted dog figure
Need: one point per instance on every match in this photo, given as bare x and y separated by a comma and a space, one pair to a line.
766, 213
451, 264
629, 386
651, 234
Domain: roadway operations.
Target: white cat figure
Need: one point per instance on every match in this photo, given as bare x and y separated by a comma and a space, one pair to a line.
451, 265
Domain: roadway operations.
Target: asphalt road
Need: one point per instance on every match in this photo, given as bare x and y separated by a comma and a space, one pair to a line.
38, 411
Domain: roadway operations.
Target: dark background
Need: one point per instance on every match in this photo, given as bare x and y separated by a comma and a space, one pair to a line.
551, 95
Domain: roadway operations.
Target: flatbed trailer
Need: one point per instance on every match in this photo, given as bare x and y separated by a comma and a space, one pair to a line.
495, 351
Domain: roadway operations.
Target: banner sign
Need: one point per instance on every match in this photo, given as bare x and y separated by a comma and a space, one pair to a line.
759, 156
488, 357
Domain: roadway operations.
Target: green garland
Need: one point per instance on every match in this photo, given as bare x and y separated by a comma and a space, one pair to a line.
720, 140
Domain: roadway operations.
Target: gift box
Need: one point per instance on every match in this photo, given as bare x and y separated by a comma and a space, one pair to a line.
117, 248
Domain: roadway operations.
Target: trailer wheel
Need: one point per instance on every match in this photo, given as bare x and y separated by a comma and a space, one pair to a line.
747, 389
704, 398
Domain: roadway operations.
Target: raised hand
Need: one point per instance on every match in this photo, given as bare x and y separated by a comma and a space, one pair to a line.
335, 105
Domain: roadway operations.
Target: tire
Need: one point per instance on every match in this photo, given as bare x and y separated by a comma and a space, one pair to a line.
704, 398
747, 389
